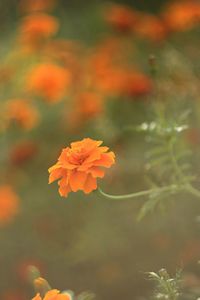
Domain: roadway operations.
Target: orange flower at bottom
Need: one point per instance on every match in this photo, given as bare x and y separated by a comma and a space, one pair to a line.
53, 295
80, 165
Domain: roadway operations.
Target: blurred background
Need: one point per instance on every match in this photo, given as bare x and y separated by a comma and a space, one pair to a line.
99, 69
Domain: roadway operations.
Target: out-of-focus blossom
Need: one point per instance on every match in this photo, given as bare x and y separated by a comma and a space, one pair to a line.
80, 165
151, 27
9, 204
182, 15
137, 84
113, 76
22, 112
87, 105
36, 5
23, 152
121, 17
111, 81
37, 27
49, 81
119, 81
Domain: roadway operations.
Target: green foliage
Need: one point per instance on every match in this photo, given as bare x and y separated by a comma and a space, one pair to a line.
168, 159
167, 288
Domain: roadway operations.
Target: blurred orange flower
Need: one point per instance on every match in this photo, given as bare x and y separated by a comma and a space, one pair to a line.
23, 152
53, 295
182, 15
80, 165
37, 27
22, 112
87, 105
9, 204
49, 81
151, 27
121, 17
137, 84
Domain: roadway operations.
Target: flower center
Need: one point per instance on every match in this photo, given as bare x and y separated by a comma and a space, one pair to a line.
77, 156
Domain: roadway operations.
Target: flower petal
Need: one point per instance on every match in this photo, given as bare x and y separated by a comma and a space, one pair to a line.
106, 160
55, 174
51, 295
77, 180
96, 172
64, 187
90, 184
94, 155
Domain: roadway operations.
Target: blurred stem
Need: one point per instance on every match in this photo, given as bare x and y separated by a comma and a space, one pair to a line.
183, 181
172, 187
175, 165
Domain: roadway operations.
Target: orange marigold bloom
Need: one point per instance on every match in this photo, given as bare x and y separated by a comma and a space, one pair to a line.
182, 15
137, 84
80, 165
23, 152
151, 27
49, 81
53, 295
87, 105
9, 203
121, 17
22, 112
38, 26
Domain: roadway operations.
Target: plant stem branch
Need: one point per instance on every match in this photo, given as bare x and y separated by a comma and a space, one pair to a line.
139, 194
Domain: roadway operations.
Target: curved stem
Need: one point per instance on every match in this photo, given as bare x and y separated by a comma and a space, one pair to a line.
139, 194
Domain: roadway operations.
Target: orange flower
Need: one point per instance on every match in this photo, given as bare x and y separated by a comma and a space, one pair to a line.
53, 295
80, 165
121, 17
49, 81
21, 112
88, 105
182, 15
37, 27
137, 84
9, 203
151, 27
23, 152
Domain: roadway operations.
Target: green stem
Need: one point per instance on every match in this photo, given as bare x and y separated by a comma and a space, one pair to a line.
139, 194
187, 185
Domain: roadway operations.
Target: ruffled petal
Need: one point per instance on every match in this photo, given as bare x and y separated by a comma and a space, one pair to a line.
96, 172
77, 180
37, 297
90, 184
64, 187
94, 155
56, 174
106, 160
51, 295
